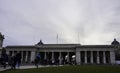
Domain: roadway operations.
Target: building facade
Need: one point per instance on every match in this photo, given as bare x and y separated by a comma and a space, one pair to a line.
1, 42
67, 53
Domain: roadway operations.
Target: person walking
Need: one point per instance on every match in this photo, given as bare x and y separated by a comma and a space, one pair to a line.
18, 58
37, 59
4, 59
13, 62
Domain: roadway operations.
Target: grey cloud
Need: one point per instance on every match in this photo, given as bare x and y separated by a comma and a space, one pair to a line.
28, 21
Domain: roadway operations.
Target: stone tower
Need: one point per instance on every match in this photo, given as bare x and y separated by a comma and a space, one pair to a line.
1, 40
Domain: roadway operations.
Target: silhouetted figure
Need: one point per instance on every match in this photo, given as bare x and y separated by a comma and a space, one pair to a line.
40, 43
18, 58
4, 58
13, 62
9, 60
37, 59
1, 62
115, 42
36, 62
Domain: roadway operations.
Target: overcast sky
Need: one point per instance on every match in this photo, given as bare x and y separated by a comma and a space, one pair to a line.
25, 22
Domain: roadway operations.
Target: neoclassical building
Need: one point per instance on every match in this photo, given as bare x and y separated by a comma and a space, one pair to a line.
66, 53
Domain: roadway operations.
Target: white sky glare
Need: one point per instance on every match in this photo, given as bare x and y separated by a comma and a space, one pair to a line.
25, 22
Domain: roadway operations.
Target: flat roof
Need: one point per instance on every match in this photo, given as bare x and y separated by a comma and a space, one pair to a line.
61, 46
96, 46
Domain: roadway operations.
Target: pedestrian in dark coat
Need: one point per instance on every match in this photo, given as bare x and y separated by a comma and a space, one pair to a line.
14, 62
18, 58
37, 59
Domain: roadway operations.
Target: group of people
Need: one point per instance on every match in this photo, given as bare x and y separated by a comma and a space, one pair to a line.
13, 61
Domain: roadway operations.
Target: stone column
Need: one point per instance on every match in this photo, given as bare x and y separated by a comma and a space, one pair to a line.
78, 57
91, 57
104, 57
60, 60
112, 57
68, 60
32, 56
85, 57
98, 58
26, 58
21, 56
53, 57
45, 56
7, 52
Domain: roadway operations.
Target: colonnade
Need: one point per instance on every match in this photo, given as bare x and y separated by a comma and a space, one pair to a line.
95, 57
26, 56
57, 57
77, 57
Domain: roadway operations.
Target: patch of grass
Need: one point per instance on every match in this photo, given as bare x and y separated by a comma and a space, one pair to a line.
70, 69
